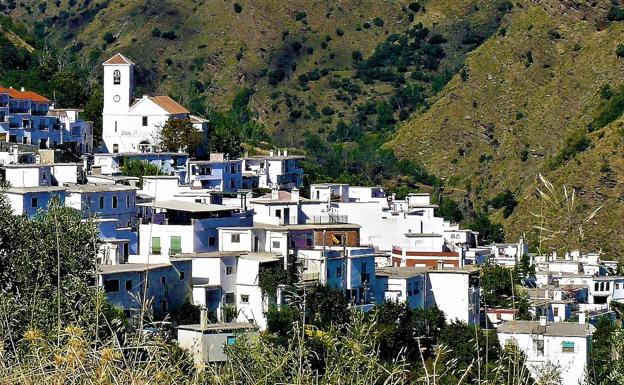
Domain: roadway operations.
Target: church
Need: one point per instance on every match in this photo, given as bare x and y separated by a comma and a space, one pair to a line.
133, 125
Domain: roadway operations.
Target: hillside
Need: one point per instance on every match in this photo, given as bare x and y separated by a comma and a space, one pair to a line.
530, 94
481, 97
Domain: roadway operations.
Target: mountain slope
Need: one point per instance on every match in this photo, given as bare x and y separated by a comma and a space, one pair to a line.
529, 90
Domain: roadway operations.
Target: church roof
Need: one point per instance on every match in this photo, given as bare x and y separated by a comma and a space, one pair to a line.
118, 59
168, 104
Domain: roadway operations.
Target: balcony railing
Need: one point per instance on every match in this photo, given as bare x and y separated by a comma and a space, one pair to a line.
38, 113
19, 110
328, 219
175, 250
156, 250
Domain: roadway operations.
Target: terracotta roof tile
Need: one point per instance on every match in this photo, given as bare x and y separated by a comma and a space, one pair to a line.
168, 104
118, 59
24, 95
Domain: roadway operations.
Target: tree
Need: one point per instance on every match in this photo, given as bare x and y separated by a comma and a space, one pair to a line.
56, 246
490, 232
498, 289
326, 306
140, 168
180, 135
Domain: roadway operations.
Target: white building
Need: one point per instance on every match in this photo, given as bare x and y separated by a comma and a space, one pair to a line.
28, 118
455, 291
275, 170
565, 345
133, 125
406, 284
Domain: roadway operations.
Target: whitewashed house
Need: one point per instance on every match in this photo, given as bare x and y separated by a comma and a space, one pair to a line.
565, 345
218, 173
406, 284
455, 291
133, 125
279, 170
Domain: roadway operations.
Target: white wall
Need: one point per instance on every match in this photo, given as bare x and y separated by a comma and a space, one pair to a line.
452, 294
572, 365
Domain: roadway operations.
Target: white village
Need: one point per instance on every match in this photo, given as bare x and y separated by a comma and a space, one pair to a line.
209, 228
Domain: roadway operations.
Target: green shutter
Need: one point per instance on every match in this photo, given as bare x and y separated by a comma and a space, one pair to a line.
176, 245
155, 245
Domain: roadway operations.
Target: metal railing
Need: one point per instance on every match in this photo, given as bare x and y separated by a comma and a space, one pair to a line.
327, 219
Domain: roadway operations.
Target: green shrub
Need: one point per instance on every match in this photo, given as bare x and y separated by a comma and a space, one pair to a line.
619, 51
357, 56
611, 110
276, 76
414, 6
109, 38
300, 15
616, 13
606, 92
238, 8
574, 143
156, 32
339, 32
169, 35
327, 111
378, 21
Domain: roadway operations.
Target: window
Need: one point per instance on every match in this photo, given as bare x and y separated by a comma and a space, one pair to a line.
34, 202
232, 183
212, 241
233, 169
556, 312
235, 238
597, 286
276, 244
128, 285
309, 242
339, 271
127, 201
156, 245
244, 298
115, 148
111, 285
176, 245
181, 276
116, 77
617, 286
101, 202
231, 340
538, 347
278, 213
228, 270
608, 286
144, 121
163, 280
114, 201
115, 126
567, 347
229, 298
336, 239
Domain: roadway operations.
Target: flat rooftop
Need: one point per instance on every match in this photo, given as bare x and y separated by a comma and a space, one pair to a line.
193, 207
556, 329
214, 328
402, 272
93, 188
140, 154
130, 267
35, 189
214, 254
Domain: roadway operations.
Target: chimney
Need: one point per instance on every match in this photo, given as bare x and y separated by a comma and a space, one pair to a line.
294, 195
582, 318
285, 152
462, 256
246, 154
275, 193
440, 265
271, 153
543, 321
203, 319
22, 89
217, 157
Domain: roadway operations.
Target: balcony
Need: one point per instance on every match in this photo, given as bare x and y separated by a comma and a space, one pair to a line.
19, 110
328, 219
175, 250
156, 250
38, 113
